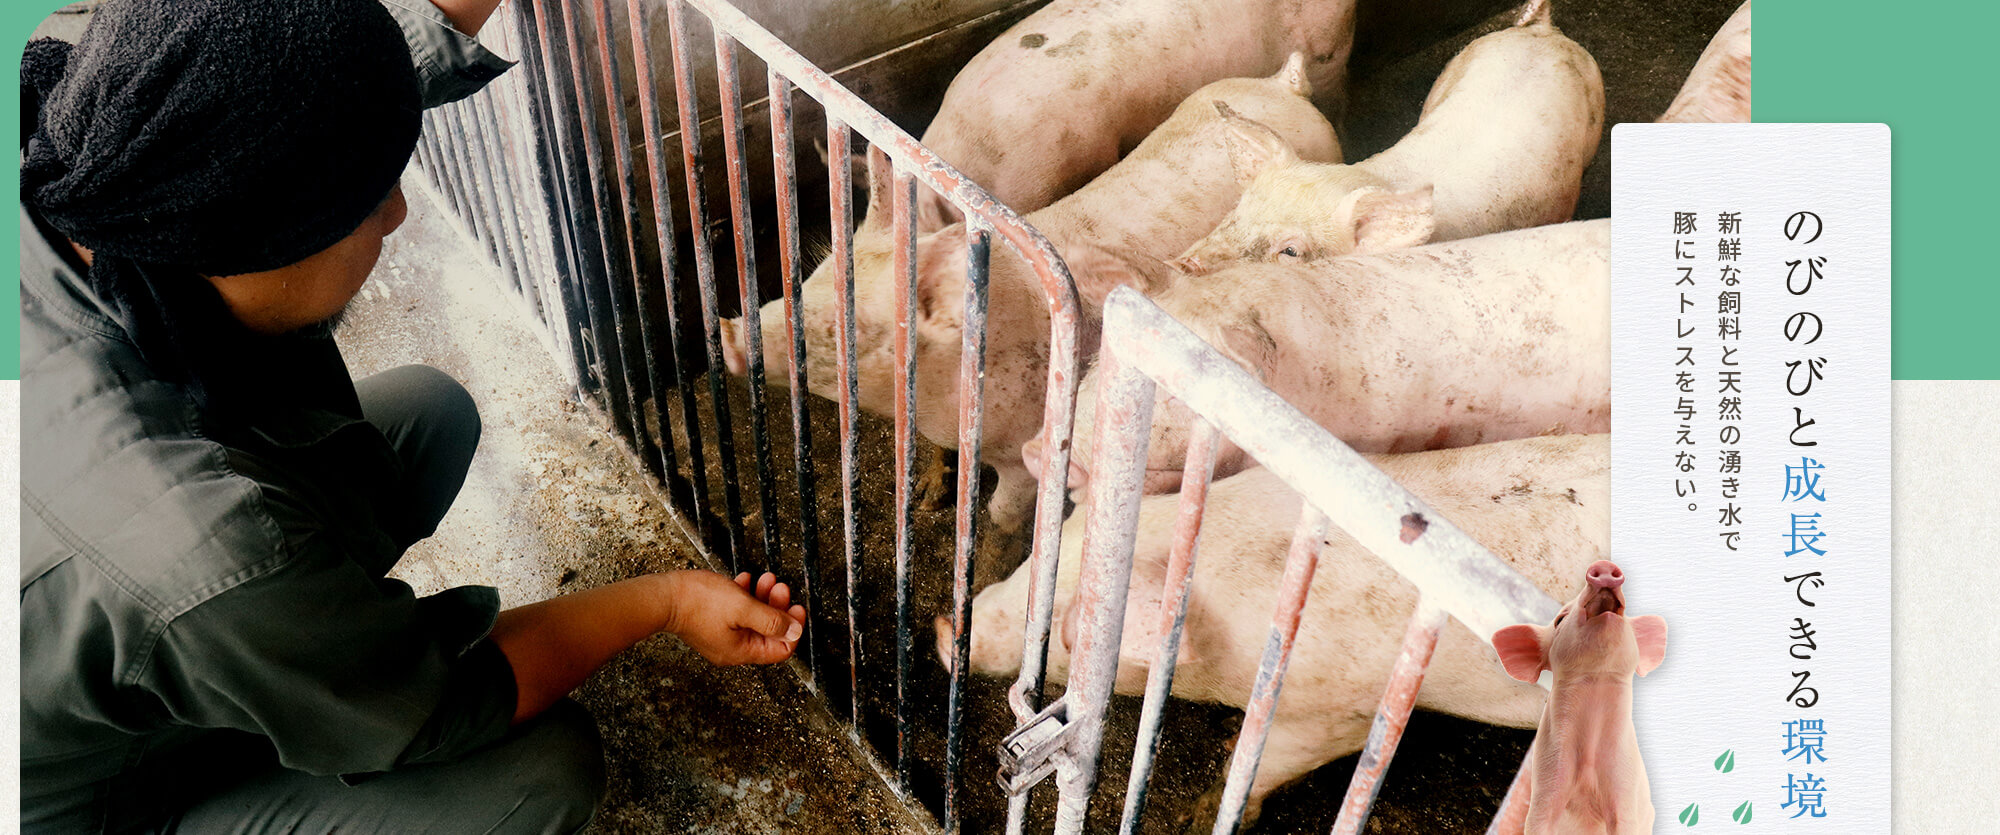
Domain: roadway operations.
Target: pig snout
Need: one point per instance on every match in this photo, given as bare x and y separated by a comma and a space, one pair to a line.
1604, 583
1034, 454
735, 353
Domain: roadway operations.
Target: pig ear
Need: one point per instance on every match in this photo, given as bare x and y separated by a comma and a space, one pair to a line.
934, 212
1651, 630
1520, 648
1253, 147
1098, 271
941, 276
1293, 75
1384, 220
881, 185
1250, 344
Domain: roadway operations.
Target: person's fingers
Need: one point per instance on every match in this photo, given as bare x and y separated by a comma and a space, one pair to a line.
743, 581
768, 622
780, 597
799, 613
765, 584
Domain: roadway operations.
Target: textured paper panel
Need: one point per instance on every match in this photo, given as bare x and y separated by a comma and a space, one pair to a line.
1730, 681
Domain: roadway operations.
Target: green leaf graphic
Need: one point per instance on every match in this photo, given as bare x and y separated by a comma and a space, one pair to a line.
1727, 762
1742, 813
1691, 814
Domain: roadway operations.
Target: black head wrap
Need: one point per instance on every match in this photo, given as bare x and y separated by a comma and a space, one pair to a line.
188, 138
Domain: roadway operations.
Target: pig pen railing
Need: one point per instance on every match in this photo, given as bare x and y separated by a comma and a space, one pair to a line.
1144, 348
578, 263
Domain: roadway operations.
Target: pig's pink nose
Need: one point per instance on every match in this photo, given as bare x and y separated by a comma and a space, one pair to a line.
1604, 574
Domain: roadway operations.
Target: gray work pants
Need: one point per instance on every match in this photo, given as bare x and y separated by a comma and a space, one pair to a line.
546, 775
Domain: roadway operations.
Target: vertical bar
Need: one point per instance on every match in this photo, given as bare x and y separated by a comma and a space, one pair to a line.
1124, 413
490, 192
1200, 468
746, 278
786, 171
651, 448
550, 170
704, 267
448, 161
695, 498
468, 186
840, 194
904, 225
610, 230
1512, 819
1292, 590
971, 423
513, 231
1392, 716
578, 217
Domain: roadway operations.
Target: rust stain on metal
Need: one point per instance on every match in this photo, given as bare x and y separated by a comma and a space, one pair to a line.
1414, 525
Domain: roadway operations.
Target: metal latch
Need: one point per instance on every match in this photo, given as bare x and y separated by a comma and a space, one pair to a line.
1029, 754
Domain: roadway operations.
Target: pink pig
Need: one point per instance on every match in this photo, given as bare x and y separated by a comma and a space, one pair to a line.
1586, 775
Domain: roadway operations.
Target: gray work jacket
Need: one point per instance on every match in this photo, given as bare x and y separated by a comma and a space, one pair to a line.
183, 582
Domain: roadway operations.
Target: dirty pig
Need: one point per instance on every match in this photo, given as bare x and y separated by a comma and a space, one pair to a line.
1115, 231
1486, 339
1505, 135
1540, 504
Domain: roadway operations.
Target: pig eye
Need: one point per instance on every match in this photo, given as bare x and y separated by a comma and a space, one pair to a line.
1559, 617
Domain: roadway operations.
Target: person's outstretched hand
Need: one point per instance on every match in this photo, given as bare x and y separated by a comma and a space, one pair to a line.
737, 622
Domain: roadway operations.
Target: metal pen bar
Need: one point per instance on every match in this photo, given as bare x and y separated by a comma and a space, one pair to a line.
1172, 616
513, 233
655, 447
693, 492
549, 170
1399, 697
1445, 564
485, 203
507, 236
785, 169
903, 219
746, 279
840, 194
1512, 819
704, 269
971, 414
1300, 564
1124, 415
610, 229
587, 241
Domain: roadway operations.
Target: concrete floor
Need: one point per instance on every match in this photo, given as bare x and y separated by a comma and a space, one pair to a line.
553, 506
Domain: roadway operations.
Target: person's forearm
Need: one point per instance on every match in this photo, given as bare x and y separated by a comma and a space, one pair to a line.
555, 644
467, 15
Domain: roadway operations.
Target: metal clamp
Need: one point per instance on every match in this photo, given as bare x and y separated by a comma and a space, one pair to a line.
1028, 755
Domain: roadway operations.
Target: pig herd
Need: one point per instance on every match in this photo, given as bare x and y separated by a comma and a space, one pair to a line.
1429, 305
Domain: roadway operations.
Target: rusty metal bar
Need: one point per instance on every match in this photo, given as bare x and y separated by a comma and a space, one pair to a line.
694, 492
1178, 582
564, 261
610, 227
1512, 819
513, 235
971, 425
587, 244
452, 141
840, 191
903, 220
704, 267
746, 279
1124, 410
1392, 715
655, 448
786, 171
485, 198
1300, 564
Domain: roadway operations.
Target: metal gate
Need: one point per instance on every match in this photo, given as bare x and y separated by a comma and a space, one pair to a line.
1143, 348
542, 170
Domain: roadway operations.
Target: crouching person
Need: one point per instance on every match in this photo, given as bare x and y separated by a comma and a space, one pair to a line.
210, 504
